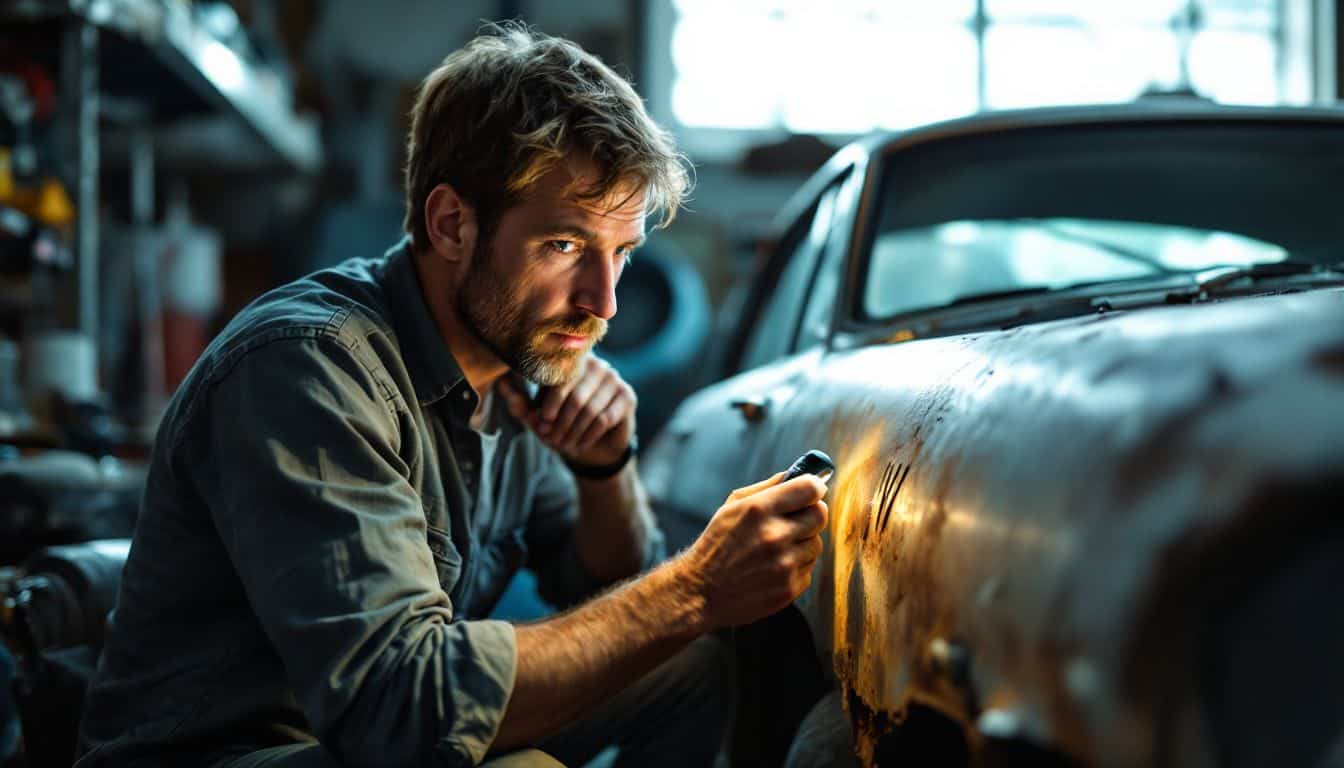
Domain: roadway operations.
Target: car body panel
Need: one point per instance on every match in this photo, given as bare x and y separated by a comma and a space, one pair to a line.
1054, 533
1159, 429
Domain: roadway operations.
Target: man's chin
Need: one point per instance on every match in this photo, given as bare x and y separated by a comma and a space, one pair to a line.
555, 369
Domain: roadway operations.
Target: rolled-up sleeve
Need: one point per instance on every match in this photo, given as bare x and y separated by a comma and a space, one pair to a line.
303, 479
553, 550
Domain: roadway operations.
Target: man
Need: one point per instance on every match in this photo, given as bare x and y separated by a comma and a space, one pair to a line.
356, 467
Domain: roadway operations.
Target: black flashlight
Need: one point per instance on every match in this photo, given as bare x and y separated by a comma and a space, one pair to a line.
813, 462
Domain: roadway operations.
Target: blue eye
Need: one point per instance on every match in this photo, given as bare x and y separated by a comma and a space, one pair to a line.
562, 246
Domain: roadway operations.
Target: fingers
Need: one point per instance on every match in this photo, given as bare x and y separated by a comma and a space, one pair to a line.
810, 550
797, 563
784, 533
578, 407
801, 580
790, 496
807, 522
610, 407
575, 416
762, 546
585, 405
557, 408
800, 492
754, 488
549, 400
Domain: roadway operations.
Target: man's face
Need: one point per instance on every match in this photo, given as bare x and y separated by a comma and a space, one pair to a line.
539, 292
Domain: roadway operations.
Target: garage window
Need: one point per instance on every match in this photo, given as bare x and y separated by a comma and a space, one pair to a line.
851, 66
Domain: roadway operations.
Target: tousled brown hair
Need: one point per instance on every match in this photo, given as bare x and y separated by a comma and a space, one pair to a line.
503, 110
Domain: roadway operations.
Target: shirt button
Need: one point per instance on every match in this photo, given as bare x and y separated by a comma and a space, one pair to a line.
467, 465
466, 394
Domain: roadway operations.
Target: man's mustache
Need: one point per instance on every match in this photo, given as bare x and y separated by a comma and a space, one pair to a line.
578, 325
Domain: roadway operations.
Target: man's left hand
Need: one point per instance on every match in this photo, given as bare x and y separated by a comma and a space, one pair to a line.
588, 421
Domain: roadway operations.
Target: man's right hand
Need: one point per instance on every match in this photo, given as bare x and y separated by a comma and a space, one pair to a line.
756, 555
753, 559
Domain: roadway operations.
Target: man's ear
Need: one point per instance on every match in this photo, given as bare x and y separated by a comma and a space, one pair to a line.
451, 224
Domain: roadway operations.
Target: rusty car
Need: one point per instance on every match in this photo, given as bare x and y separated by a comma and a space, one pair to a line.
1082, 373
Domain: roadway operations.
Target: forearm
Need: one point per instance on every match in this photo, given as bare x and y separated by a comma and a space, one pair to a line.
615, 525
569, 664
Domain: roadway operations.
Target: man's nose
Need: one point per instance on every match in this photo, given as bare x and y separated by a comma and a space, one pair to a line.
597, 286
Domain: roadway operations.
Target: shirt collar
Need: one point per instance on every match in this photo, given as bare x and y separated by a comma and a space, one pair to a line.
434, 372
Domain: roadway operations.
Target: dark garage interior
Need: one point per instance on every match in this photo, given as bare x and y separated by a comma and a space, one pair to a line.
642, 382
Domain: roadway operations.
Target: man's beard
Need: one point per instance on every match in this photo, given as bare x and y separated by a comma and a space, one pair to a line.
489, 307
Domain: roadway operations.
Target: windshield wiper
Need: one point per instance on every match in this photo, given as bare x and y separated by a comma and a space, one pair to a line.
1217, 278
1007, 293
1126, 293
1067, 291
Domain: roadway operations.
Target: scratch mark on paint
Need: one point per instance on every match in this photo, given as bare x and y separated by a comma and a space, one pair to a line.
893, 478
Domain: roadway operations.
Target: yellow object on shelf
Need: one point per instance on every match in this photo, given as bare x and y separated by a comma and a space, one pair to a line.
48, 203
6, 177
53, 205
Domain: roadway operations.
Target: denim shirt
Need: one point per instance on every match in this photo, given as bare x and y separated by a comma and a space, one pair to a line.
309, 560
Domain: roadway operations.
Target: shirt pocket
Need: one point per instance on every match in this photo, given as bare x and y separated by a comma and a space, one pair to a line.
447, 560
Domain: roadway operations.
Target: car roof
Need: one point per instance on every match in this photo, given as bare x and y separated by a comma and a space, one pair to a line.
1147, 109
1150, 109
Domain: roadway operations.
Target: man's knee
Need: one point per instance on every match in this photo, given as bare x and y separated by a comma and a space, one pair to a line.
674, 715
706, 667
825, 738
287, 756
523, 758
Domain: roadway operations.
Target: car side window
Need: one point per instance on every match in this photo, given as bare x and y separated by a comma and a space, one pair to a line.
815, 325
777, 326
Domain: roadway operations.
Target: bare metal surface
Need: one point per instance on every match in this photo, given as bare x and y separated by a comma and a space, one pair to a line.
1028, 526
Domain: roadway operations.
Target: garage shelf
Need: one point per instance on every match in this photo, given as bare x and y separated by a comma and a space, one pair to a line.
157, 54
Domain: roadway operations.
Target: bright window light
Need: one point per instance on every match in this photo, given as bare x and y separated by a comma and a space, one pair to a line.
850, 66
1235, 66
776, 64
1035, 65
1106, 12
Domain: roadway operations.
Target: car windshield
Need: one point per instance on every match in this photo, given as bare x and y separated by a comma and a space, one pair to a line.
1038, 208
937, 265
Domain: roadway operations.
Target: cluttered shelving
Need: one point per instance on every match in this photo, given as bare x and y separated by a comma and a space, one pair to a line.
140, 85
185, 59
109, 110
105, 107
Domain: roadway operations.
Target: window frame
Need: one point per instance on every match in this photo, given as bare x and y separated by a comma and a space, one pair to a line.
841, 173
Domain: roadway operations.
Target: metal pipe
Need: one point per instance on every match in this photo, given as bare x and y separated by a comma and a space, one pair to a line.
145, 263
142, 174
79, 72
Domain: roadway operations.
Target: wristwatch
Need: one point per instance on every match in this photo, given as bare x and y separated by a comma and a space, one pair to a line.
604, 471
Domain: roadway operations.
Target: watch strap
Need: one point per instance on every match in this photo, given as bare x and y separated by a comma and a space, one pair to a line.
605, 471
